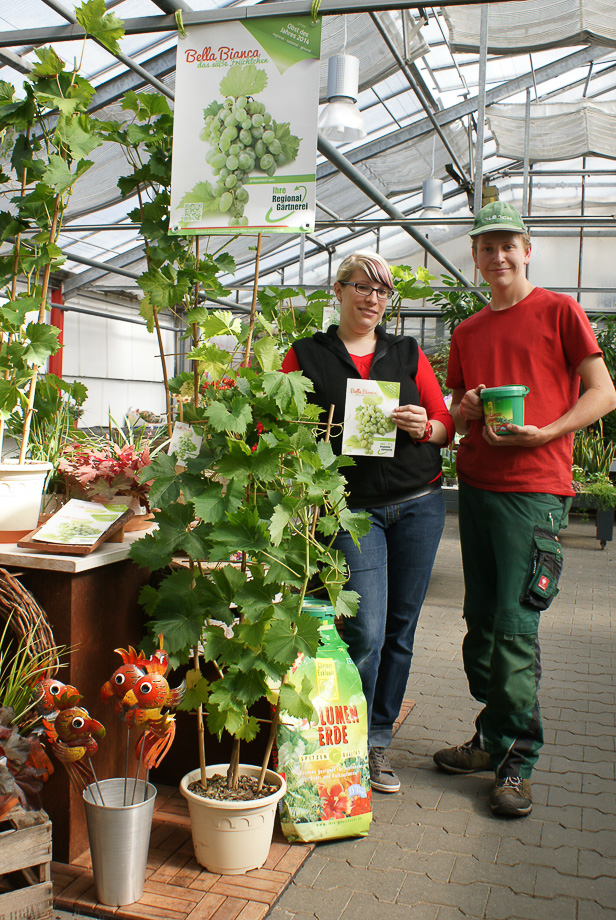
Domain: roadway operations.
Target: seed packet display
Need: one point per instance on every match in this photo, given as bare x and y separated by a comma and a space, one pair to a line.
325, 761
369, 430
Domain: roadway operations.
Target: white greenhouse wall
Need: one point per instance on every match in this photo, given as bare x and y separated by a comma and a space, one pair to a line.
117, 361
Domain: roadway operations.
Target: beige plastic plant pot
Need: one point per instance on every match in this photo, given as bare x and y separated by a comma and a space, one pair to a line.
21, 491
231, 838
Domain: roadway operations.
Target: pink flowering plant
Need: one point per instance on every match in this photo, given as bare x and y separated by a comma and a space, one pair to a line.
106, 470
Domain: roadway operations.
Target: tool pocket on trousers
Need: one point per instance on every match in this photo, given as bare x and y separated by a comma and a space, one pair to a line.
546, 567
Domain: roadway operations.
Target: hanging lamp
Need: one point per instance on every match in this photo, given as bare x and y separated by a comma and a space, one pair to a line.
432, 198
340, 119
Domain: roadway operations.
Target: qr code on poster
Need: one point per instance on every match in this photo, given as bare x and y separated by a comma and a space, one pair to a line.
193, 210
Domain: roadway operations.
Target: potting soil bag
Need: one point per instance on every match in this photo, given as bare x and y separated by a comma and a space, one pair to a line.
325, 761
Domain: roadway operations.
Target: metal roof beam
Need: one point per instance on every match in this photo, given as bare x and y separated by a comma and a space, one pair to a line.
351, 172
16, 62
420, 95
159, 66
447, 116
43, 36
172, 6
115, 267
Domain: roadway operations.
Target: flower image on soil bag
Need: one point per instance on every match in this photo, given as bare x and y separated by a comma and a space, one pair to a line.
325, 761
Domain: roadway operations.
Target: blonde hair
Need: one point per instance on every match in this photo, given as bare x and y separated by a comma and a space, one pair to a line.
372, 263
525, 241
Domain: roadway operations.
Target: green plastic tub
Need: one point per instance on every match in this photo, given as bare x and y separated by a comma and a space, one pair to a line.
504, 406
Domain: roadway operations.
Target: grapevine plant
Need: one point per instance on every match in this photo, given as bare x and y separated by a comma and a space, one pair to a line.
243, 139
263, 487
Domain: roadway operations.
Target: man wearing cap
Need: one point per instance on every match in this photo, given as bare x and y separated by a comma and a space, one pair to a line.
514, 492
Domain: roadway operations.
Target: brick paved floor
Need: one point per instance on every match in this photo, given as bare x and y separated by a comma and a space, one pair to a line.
434, 851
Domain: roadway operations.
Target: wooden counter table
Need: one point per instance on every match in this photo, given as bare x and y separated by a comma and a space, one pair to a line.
91, 603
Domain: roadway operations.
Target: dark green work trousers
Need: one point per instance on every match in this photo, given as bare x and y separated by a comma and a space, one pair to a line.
501, 648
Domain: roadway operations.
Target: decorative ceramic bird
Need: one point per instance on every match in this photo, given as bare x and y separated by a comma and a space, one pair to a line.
140, 691
155, 741
145, 701
47, 690
72, 736
124, 678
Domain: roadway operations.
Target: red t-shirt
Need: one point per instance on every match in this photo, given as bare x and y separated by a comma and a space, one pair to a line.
430, 393
538, 343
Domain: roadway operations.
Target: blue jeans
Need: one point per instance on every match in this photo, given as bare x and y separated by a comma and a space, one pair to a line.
390, 571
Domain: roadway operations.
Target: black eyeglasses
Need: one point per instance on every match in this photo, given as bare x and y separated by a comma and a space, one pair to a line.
366, 290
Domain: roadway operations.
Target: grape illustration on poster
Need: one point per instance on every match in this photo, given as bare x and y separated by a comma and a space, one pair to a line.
243, 139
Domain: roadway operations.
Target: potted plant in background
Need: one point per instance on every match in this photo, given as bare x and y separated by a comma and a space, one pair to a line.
262, 488
107, 468
593, 457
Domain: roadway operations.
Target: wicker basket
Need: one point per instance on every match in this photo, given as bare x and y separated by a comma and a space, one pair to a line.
26, 618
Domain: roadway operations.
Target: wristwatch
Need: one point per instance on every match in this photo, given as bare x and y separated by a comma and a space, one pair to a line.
427, 433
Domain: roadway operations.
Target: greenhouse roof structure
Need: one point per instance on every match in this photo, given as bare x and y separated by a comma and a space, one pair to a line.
513, 99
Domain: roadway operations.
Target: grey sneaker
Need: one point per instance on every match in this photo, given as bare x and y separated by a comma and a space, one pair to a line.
512, 796
382, 777
465, 758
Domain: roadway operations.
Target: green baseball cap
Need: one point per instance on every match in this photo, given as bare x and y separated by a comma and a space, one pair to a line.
498, 215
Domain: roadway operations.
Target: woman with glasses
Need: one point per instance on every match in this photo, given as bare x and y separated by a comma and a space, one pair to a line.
390, 570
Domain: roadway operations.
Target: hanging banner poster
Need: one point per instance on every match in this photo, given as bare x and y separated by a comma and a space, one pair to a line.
245, 127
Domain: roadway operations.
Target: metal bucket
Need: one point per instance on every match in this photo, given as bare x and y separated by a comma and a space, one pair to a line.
119, 838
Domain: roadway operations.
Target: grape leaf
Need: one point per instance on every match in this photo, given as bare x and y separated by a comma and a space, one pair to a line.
43, 343
145, 105
266, 351
106, 27
77, 137
203, 193
50, 64
243, 80
288, 142
8, 398
147, 310
57, 175
235, 421
197, 689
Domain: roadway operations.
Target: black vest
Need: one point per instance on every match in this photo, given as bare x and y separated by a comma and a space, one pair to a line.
373, 481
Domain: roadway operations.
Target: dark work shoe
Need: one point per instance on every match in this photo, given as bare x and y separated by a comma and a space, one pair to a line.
466, 758
511, 796
382, 777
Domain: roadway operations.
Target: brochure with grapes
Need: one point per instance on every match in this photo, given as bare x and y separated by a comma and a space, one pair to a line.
331, 316
80, 523
185, 442
369, 430
245, 127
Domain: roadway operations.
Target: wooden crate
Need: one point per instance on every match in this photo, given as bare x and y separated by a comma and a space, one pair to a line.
25, 866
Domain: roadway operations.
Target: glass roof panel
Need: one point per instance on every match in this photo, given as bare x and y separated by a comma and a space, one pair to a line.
401, 148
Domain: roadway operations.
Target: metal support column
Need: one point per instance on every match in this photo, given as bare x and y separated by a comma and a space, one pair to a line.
481, 108
525, 201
